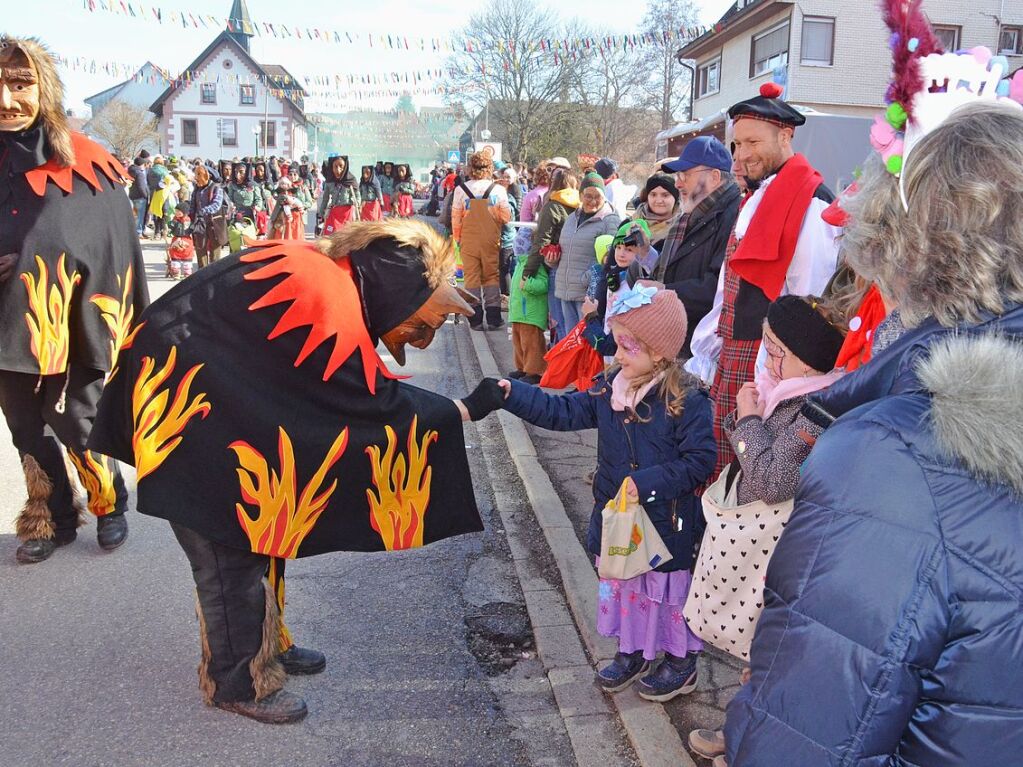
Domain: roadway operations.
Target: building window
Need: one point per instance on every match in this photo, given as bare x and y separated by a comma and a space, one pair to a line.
708, 78
269, 133
948, 36
769, 50
209, 93
190, 132
818, 46
248, 94
228, 132
1010, 41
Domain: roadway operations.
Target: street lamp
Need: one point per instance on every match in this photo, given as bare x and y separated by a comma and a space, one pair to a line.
255, 134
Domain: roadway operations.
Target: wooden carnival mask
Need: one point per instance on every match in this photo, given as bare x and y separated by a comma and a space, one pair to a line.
419, 329
19, 90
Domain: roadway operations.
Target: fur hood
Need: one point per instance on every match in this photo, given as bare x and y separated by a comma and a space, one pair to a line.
52, 117
977, 403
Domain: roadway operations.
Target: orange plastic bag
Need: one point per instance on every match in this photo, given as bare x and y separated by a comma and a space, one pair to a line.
572, 361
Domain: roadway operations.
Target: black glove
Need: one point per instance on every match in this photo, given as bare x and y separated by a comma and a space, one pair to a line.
487, 397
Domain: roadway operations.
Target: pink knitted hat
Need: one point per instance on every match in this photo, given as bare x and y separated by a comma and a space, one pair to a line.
655, 316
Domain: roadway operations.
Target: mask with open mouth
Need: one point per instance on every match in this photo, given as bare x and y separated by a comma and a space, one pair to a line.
19, 90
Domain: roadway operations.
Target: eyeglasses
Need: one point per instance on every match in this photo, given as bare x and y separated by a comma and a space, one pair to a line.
681, 175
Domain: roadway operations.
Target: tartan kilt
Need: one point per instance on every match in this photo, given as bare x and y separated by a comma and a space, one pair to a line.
736, 366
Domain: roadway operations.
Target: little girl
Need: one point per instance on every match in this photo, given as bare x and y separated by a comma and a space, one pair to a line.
654, 432
181, 250
769, 435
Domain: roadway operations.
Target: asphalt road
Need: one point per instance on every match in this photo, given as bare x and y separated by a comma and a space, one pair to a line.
430, 658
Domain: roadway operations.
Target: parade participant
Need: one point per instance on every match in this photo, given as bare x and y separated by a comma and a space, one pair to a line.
891, 629
261, 181
479, 208
72, 281
694, 250
138, 193
225, 171
209, 227
243, 193
780, 245
654, 434
370, 194
355, 458
404, 192
387, 185
340, 201
286, 223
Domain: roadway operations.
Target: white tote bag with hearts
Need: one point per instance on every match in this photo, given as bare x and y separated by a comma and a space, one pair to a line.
727, 592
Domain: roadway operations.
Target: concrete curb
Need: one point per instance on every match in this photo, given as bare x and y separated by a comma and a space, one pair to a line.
653, 737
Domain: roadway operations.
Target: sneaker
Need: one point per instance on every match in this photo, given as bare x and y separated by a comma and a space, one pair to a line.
674, 676
622, 671
281, 707
707, 743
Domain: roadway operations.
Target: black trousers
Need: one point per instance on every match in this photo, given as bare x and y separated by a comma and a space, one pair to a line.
232, 598
37, 424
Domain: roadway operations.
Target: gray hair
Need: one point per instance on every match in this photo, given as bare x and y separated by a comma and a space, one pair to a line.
958, 251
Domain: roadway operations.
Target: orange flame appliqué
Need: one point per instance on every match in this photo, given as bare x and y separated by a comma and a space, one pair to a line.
157, 427
49, 314
398, 507
283, 518
98, 478
118, 315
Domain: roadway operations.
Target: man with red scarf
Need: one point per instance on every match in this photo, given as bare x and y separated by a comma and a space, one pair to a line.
780, 245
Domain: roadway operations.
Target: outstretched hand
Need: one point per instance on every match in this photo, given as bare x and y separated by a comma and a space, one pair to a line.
488, 396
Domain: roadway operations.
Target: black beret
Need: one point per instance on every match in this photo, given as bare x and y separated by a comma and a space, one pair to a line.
768, 107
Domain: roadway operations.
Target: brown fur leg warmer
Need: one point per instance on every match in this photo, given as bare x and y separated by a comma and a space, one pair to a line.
268, 675
35, 520
206, 684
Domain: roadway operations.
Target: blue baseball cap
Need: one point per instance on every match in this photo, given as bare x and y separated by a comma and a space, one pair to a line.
702, 150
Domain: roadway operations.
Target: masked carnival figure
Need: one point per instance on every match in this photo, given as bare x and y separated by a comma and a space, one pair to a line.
261, 180
243, 193
370, 194
72, 282
404, 192
307, 443
340, 202
387, 185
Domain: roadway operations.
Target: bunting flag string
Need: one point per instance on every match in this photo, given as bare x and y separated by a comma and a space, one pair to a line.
557, 49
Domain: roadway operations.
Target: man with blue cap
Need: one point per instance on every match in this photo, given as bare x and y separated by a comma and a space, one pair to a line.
694, 249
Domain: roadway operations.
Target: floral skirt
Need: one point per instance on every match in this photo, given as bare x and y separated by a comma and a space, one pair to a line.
645, 613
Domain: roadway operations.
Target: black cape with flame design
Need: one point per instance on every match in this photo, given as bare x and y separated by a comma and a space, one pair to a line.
80, 279
257, 412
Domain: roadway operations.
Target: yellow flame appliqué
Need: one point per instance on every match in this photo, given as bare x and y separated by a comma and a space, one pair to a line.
283, 518
48, 315
118, 314
398, 507
158, 427
98, 478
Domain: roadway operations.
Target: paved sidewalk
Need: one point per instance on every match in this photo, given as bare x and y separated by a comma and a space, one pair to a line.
568, 457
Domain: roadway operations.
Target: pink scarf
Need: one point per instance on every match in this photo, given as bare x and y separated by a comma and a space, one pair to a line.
623, 399
773, 392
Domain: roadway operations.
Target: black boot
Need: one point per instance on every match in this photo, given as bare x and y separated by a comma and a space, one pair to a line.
476, 321
300, 661
281, 707
494, 320
111, 531
40, 549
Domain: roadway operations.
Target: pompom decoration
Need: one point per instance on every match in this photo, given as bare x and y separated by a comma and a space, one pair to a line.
896, 115
1016, 87
882, 134
913, 44
896, 148
894, 164
771, 90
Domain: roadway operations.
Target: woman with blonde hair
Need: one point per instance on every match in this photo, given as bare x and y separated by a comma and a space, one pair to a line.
891, 630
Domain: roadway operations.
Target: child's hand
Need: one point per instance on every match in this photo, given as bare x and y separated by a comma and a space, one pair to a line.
589, 306
631, 491
747, 402
505, 384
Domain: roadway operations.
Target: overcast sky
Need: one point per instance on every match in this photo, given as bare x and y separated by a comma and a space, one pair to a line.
71, 30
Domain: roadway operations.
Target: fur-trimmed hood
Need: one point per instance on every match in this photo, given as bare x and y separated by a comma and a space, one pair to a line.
976, 386
436, 252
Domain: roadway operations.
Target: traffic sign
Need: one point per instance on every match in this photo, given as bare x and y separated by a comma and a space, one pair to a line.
454, 156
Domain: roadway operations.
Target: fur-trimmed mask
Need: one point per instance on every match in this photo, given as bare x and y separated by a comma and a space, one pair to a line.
404, 269
31, 93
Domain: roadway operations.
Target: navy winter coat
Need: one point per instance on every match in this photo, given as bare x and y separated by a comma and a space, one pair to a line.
667, 458
892, 631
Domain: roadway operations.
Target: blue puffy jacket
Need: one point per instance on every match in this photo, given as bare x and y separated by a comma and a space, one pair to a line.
892, 631
667, 458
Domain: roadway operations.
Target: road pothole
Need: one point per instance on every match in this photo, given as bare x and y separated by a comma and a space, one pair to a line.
499, 636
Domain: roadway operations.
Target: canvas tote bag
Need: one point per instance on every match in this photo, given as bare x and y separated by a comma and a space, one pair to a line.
629, 543
727, 592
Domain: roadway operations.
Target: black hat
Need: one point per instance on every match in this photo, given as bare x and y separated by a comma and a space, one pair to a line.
768, 107
805, 331
660, 181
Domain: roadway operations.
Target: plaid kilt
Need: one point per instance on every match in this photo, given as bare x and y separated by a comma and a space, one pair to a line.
736, 366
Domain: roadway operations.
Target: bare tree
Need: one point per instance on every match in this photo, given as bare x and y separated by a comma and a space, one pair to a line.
670, 83
125, 127
523, 91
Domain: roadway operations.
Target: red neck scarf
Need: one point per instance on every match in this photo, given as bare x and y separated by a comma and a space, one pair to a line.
856, 350
765, 252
